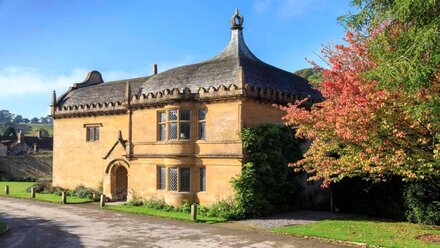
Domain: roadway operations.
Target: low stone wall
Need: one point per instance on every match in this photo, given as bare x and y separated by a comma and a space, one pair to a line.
26, 166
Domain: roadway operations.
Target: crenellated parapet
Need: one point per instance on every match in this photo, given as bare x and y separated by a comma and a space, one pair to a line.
167, 96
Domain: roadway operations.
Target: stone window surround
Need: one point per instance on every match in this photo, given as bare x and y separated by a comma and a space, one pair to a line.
194, 123
178, 167
95, 126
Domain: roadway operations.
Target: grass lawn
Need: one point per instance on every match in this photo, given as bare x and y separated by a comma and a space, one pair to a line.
2, 228
18, 190
164, 214
371, 232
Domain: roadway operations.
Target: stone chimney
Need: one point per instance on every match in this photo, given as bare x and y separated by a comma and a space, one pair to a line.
154, 69
20, 136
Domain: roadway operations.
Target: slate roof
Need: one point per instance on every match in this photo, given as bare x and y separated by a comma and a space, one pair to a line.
223, 69
101, 93
43, 143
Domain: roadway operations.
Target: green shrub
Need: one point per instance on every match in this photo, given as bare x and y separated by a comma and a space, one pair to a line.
39, 187
225, 209
84, 192
422, 201
135, 203
185, 208
155, 203
267, 184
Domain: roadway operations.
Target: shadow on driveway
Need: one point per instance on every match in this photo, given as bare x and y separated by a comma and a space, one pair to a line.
28, 232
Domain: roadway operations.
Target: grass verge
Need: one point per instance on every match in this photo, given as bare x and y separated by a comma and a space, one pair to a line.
18, 190
370, 232
164, 214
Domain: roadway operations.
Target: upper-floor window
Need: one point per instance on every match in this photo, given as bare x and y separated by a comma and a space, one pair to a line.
92, 133
176, 122
202, 124
162, 126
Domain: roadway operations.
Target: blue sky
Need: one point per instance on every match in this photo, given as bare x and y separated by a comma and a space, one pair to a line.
49, 45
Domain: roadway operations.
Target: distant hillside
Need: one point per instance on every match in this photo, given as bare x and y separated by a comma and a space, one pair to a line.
26, 166
36, 127
27, 128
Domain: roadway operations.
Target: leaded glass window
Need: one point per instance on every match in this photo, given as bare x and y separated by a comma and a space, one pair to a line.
161, 184
173, 115
178, 125
185, 131
185, 115
172, 132
172, 179
162, 126
202, 124
185, 179
202, 179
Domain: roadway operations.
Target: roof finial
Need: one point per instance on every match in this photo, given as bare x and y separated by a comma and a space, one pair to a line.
237, 20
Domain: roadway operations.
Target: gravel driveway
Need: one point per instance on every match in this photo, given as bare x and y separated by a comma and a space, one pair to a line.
292, 218
37, 224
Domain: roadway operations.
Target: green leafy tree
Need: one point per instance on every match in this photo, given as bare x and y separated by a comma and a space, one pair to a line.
18, 119
6, 116
35, 120
313, 75
381, 113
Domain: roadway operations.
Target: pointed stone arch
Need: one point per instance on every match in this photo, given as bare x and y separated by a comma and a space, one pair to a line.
118, 173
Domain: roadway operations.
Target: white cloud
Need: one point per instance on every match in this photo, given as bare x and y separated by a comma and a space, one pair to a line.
27, 81
19, 81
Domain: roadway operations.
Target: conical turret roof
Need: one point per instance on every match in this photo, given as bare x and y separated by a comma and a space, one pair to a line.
235, 65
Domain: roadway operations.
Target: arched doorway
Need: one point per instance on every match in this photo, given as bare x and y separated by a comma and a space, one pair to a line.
118, 172
121, 183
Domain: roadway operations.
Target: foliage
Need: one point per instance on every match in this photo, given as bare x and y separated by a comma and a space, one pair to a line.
373, 232
357, 196
185, 208
313, 75
83, 192
6, 116
266, 182
10, 131
225, 209
422, 201
380, 116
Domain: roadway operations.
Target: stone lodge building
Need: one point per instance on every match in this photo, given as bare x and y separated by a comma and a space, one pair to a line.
173, 135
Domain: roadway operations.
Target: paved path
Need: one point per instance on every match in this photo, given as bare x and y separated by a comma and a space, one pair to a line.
38, 224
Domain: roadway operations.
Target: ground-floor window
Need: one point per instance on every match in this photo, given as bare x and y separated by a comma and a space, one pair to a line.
185, 179
202, 173
161, 183
172, 179
179, 179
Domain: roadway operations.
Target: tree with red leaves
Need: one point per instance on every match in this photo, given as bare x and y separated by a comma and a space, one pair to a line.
370, 124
